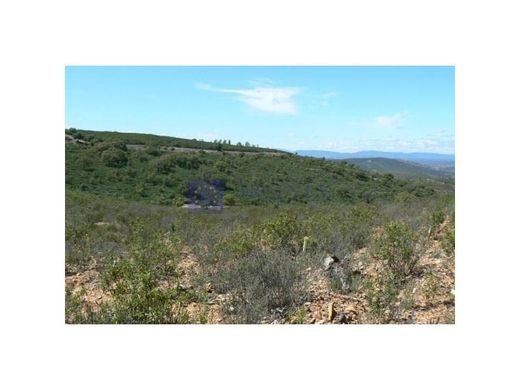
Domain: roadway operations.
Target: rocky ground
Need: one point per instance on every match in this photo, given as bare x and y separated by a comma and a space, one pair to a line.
428, 297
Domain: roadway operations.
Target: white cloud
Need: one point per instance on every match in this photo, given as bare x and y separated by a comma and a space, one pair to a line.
395, 144
391, 121
275, 100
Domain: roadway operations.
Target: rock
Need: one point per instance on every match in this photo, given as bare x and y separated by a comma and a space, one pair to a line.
331, 313
329, 260
342, 319
209, 287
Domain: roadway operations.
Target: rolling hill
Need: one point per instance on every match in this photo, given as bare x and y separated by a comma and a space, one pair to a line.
106, 163
401, 168
425, 158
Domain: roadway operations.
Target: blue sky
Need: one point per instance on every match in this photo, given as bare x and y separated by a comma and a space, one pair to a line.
408, 109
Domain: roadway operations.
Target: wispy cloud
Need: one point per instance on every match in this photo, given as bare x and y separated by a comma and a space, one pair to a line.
391, 121
275, 100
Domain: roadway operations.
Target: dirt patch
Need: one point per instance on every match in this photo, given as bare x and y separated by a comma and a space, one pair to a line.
88, 285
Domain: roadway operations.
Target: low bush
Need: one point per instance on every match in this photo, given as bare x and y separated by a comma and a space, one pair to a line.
382, 290
359, 224
395, 247
284, 231
137, 296
431, 284
343, 279
262, 283
448, 240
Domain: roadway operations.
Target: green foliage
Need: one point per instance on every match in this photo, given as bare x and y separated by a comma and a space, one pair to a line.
297, 316
360, 222
282, 232
251, 254
152, 172
230, 200
156, 141
114, 158
240, 243
448, 240
260, 283
437, 218
73, 307
399, 168
396, 249
137, 296
382, 290
343, 280
431, 284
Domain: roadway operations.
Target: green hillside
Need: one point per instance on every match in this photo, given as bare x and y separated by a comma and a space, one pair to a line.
109, 165
399, 168
160, 141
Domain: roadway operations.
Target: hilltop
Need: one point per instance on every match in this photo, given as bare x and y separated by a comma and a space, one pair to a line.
137, 140
160, 170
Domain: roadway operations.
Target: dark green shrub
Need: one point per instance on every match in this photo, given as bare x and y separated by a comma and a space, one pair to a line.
114, 158
165, 164
102, 146
230, 200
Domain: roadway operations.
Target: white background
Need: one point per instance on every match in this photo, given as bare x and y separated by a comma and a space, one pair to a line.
37, 350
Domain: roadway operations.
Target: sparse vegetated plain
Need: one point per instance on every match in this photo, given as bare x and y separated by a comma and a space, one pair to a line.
136, 252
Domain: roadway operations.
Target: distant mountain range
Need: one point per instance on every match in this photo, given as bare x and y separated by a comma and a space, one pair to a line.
403, 169
425, 158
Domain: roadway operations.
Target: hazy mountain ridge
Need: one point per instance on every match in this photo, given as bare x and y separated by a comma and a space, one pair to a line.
402, 168
429, 158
